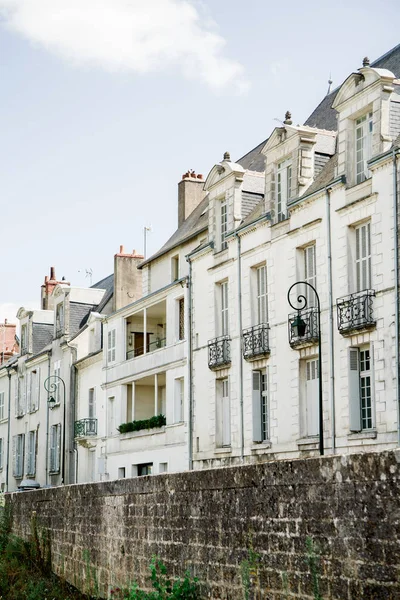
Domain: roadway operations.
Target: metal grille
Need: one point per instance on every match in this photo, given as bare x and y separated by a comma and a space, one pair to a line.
310, 318
85, 427
219, 352
256, 341
182, 319
355, 311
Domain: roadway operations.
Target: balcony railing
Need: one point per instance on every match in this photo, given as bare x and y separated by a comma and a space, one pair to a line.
256, 341
85, 427
151, 346
310, 326
355, 311
219, 352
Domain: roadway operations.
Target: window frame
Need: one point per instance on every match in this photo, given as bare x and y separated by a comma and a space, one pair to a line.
111, 345
261, 294
363, 280
364, 124
359, 423
31, 454
284, 179
223, 222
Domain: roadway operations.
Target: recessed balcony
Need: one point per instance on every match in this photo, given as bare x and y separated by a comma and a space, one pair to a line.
303, 327
219, 352
85, 427
256, 342
355, 312
146, 330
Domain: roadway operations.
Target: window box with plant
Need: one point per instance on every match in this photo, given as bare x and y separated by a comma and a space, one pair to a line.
154, 422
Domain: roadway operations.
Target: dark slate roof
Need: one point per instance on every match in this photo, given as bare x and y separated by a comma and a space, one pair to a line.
249, 202
78, 315
254, 160
255, 214
196, 222
42, 334
324, 116
106, 284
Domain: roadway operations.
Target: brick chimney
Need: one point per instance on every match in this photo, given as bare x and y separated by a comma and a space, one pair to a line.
190, 194
127, 278
50, 283
8, 343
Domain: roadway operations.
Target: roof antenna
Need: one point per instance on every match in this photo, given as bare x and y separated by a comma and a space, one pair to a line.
329, 84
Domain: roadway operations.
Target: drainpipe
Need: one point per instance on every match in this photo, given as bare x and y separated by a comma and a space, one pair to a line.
396, 285
331, 322
8, 425
240, 346
190, 365
47, 421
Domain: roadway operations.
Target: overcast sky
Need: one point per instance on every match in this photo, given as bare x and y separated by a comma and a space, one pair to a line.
105, 103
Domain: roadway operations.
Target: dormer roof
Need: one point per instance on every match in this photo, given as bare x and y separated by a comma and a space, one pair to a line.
221, 171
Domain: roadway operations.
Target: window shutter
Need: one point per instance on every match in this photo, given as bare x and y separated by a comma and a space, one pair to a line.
29, 392
24, 393
58, 450
257, 417
16, 395
226, 417
22, 459
109, 351
14, 454
312, 391
37, 390
33, 464
354, 391
272, 196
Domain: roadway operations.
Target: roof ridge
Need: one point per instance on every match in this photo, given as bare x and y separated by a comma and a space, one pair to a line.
385, 55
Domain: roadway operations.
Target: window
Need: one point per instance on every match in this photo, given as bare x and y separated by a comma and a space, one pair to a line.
55, 448
31, 461
60, 319
57, 382
174, 268
179, 394
262, 313
18, 455
223, 223
1, 453
363, 146
181, 317
20, 396
16, 395
111, 430
284, 188
24, 339
121, 473
310, 274
360, 389
311, 405
92, 404
224, 323
260, 407
33, 391
223, 417
111, 346
163, 467
144, 469
2, 407
363, 257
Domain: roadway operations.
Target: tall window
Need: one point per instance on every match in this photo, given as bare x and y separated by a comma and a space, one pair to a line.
262, 314
18, 455
57, 375
310, 274
181, 317
2, 407
92, 404
179, 394
360, 389
284, 188
31, 459
224, 223
223, 416
312, 396
174, 268
60, 319
55, 448
363, 257
24, 339
111, 416
224, 308
1, 453
363, 145
33, 390
260, 407
111, 346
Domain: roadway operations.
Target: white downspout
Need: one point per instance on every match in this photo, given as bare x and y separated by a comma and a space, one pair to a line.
331, 320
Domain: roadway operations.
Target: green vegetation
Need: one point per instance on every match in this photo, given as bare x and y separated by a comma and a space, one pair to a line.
313, 563
157, 421
249, 570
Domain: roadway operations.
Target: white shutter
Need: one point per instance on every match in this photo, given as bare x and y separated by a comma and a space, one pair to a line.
224, 309
354, 391
312, 393
37, 390
363, 257
24, 394
257, 416
310, 273
58, 449
14, 454
226, 416
262, 294
16, 395
33, 452
28, 392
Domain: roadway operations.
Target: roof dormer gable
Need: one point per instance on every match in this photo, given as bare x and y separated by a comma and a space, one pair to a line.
367, 78
222, 171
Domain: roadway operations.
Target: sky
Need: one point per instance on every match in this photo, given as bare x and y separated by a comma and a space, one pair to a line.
104, 105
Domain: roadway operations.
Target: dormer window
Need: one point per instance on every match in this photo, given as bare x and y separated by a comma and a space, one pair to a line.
363, 144
223, 223
59, 319
283, 188
24, 339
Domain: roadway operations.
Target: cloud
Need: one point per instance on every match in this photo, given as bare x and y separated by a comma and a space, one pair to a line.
128, 35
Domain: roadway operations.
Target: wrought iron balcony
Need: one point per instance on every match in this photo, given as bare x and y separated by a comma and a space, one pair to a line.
219, 352
303, 327
85, 427
256, 341
355, 311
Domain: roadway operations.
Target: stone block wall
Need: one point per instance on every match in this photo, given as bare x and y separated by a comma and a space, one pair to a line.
210, 522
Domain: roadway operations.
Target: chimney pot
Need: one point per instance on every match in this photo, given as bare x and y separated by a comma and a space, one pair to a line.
52, 273
121, 249
199, 176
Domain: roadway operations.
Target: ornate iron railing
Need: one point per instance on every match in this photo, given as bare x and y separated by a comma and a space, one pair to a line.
355, 311
309, 319
256, 341
219, 352
85, 427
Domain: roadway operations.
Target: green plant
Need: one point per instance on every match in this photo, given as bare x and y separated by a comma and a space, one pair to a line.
313, 563
157, 421
249, 569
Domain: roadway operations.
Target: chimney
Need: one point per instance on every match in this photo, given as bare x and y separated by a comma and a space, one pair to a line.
8, 345
46, 302
190, 194
127, 278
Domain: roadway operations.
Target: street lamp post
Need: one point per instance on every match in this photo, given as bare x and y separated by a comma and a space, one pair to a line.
51, 386
299, 326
